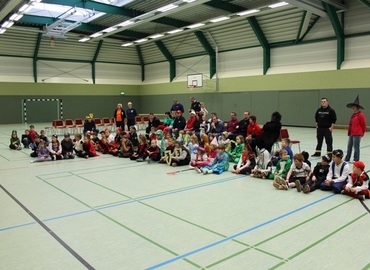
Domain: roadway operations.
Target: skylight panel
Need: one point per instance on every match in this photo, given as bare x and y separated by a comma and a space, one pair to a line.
59, 11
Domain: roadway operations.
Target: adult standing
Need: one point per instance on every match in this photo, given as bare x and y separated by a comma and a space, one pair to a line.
325, 120
195, 105
356, 130
119, 115
131, 113
203, 109
177, 106
271, 132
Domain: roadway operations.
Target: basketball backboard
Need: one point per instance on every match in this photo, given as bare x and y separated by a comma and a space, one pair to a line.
195, 80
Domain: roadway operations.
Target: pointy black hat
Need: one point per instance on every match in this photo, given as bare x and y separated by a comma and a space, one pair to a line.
355, 103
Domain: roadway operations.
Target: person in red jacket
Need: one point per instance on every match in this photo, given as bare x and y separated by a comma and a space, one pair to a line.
88, 148
254, 131
356, 130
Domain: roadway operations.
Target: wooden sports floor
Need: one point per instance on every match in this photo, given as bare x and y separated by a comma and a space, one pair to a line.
113, 213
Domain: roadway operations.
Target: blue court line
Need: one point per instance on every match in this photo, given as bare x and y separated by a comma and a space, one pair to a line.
126, 202
236, 235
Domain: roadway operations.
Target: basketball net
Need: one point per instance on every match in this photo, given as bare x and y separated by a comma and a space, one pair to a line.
52, 41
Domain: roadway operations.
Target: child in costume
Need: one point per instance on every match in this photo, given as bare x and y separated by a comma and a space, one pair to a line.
44, 137
319, 173
166, 158
193, 146
246, 162
43, 153
223, 139
35, 146
180, 155
237, 152
88, 149
141, 153
55, 148
133, 137
78, 144
213, 149
338, 173
298, 175
263, 166
26, 138
154, 153
127, 149
358, 183
282, 166
219, 164
204, 142
15, 142
200, 159
161, 143
67, 147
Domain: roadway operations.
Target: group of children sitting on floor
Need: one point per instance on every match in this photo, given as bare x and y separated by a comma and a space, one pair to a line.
206, 156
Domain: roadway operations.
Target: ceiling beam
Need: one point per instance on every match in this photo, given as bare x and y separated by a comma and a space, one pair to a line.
141, 60
311, 6
365, 2
8, 8
263, 41
97, 51
35, 56
155, 16
169, 58
88, 27
87, 4
303, 27
210, 51
338, 6
219, 4
109, 9
339, 32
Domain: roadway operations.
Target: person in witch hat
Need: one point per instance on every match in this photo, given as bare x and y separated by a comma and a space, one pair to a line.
356, 130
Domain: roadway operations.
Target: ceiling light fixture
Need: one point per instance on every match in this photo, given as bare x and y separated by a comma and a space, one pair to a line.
247, 12
98, 34
167, 8
110, 29
125, 23
127, 44
280, 4
25, 8
195, 25
7, 24
156, 36
189, 1
84, 39
219, 19
175, 31
2, 30
141, 40
15, 17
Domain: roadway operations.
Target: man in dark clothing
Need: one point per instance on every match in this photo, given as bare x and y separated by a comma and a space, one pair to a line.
153, 122
325, 119
178, 124
177, 106
241, 129
195, 105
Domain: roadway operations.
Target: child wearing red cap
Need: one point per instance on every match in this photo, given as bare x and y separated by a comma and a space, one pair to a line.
358, 184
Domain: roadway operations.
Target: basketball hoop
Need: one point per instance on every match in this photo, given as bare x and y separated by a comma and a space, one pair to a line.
52, 41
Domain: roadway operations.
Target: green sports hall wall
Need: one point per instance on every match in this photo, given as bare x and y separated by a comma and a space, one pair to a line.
296, 96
